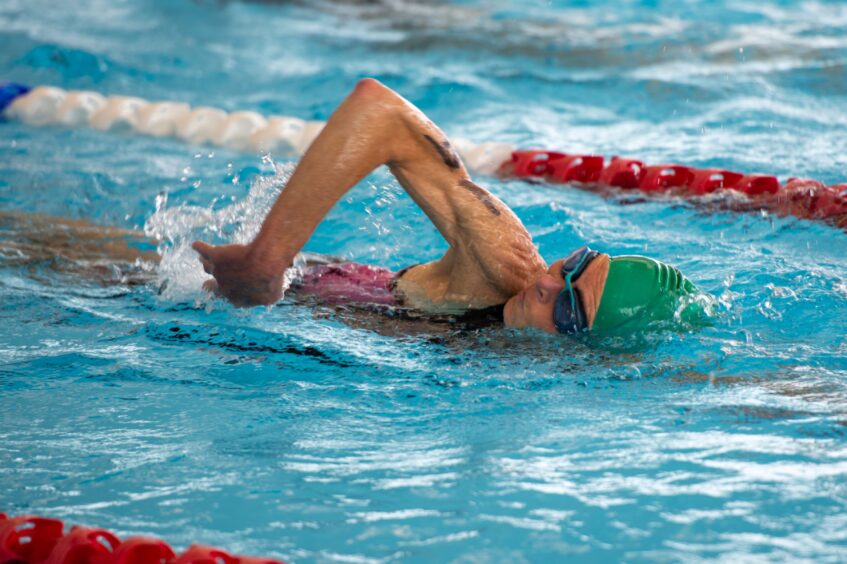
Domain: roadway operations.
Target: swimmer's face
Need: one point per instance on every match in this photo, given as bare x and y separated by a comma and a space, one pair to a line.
533, 307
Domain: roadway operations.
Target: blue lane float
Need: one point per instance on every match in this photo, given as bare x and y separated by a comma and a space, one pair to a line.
9, 91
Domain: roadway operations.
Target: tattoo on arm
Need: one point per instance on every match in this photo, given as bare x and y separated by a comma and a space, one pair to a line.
448, 155
481, 195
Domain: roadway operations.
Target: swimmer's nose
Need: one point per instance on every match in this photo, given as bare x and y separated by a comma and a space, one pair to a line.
547, 288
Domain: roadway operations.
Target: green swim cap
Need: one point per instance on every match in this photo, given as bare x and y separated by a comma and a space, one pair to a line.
641, 293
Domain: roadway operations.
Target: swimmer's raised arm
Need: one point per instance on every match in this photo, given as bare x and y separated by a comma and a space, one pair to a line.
491, 255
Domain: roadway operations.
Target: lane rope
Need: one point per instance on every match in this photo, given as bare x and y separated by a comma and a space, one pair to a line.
30, 539
286, 136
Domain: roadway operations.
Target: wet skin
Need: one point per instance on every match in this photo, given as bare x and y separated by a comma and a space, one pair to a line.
481, 194
90, 248
445, 150
533, 307
491, 257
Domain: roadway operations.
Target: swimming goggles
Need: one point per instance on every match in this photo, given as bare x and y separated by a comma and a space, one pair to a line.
568, 315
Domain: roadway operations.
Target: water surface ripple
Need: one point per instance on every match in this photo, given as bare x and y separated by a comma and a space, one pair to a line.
294, 432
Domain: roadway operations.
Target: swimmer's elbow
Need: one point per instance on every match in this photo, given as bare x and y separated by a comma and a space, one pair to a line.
368, 86
372, 90
374, 103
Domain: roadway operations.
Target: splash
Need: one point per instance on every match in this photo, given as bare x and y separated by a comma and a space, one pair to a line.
180, 276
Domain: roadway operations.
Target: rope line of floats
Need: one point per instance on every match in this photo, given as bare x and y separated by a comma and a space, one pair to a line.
248, 131
41, 540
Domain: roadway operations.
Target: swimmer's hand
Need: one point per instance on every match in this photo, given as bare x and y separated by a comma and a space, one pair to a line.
239, 276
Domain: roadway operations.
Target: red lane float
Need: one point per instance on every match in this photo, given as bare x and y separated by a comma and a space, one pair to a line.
38, 540
623, 173
708, 180
800, 197
28, 539
662, 177
571, 168
199, 554
82, 545
142, 550
533, 162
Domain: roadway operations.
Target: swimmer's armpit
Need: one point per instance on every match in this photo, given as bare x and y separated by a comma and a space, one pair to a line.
481, 195
445, 150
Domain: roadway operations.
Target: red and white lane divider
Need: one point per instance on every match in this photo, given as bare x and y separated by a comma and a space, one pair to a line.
801, 197
290, 136
40, 540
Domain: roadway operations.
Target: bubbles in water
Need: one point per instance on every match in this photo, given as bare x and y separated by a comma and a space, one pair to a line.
180, 274
767, 309
728, 297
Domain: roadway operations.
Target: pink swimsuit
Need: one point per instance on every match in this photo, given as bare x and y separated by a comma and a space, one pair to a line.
349, 282
340, 283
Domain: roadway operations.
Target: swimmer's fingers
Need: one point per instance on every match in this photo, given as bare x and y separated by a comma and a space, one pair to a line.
205, 251
207, 266
212, 287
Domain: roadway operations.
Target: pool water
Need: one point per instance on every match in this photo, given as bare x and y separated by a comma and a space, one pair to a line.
311, 435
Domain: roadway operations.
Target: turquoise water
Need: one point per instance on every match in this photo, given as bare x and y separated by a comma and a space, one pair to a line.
299, 433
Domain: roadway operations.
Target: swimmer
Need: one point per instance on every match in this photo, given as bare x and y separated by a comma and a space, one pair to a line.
491, 263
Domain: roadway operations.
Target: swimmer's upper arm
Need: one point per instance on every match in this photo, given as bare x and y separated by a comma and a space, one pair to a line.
489, 240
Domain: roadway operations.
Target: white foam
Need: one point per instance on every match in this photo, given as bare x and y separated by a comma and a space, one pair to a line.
180, 274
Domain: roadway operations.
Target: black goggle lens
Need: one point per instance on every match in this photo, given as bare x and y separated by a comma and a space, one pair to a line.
568, 315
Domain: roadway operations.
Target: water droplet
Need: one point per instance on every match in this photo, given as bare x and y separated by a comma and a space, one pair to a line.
161, 201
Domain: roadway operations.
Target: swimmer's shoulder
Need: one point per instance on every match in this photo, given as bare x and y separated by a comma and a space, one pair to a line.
436, 288
420, 286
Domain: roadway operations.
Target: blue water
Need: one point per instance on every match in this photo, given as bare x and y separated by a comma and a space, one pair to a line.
296, 433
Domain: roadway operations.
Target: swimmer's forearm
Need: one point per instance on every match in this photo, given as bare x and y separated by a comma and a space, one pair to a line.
363, 133
339, 157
